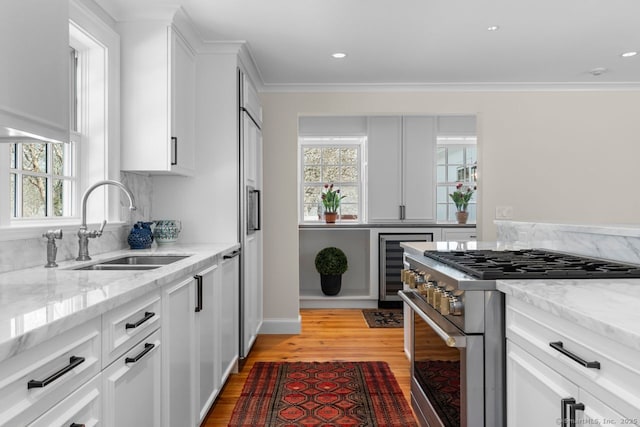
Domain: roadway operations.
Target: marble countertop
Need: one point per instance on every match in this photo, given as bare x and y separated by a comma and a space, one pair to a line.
38, 303
607, 307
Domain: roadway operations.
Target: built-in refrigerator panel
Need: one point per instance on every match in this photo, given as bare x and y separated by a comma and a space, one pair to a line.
250, 235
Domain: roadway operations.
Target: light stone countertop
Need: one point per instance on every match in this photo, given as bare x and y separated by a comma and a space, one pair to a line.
39, 303
608, 307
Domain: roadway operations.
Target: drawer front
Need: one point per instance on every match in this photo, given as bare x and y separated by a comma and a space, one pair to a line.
37, 379
616, 381
131, 386
125, 326
82, 408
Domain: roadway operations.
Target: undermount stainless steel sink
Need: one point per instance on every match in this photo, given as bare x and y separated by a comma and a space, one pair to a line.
134, 262
114, 267
145, 260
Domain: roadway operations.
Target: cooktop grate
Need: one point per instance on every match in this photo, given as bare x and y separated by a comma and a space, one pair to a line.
532, 264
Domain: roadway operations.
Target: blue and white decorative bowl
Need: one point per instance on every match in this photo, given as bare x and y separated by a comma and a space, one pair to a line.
167, 230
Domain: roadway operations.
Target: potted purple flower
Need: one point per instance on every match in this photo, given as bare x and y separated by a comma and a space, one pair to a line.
461, 198
331, 202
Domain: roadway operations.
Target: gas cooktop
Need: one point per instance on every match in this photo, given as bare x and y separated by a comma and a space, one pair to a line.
532, 264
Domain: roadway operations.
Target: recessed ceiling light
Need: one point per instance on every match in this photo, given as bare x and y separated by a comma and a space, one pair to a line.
629, 54
493, 28
339, 55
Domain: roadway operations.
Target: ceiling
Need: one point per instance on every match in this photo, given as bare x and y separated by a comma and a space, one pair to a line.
425, 43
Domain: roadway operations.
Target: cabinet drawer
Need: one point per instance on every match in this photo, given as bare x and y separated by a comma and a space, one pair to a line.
616, 381
125, 326
35, 380
83, 407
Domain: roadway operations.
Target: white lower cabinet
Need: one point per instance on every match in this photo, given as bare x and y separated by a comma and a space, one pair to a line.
82, 408
132, 385
179, 354
560, 373
208, 332
229, 315
37, 379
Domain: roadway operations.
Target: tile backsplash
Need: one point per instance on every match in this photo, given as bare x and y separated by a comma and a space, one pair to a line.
31, 252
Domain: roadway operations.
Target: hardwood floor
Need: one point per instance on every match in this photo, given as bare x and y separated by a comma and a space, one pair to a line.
327, 334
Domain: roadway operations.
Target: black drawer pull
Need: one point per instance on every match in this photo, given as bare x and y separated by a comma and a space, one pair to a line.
557, 345
76, 425
147, 348
231, 255
73, 362
147, 315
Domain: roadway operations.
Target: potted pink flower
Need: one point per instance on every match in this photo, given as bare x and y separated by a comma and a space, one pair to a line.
461, 198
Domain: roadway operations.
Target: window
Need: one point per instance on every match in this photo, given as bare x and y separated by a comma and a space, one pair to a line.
42, 180
456, 162
331, 160
42, 175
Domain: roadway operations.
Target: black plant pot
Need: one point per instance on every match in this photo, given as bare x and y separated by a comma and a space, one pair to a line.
331, 283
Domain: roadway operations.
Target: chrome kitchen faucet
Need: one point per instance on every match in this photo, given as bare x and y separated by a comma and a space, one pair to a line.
83, 233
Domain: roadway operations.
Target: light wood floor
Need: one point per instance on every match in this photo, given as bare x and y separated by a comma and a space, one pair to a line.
336, 334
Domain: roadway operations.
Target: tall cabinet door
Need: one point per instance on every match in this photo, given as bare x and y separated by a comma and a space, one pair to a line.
230, 270
251, 307
418, 159
384, 169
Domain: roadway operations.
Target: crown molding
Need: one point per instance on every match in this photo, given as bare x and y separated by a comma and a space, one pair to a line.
456, 87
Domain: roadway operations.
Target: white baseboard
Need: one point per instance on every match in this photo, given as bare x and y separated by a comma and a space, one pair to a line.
281, 326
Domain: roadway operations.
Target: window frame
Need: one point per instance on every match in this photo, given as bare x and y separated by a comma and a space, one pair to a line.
346, 141
449, 186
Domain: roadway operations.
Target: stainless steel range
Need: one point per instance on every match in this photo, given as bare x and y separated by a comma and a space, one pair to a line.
458, 350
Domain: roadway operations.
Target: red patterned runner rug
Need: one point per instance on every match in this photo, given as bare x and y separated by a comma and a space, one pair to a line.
321, 394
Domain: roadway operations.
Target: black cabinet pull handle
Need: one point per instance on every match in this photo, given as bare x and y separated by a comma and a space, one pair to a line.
76, 425
73, 362
147, 348
147, 315
557, 345
573, 407
258, 225
563, 410
174, 150
231, 255
198, 293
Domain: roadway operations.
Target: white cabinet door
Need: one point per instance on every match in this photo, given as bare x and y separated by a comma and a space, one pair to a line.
230, 314
534, 391
597, 412
251, 292
132, 384
158, 99
208, 332
384, 165
183, 101
419, 180
34, 45
179, 354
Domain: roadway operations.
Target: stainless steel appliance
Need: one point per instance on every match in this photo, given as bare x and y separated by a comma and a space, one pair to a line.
458, 354
390, 264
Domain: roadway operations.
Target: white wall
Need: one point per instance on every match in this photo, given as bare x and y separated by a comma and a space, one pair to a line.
553, 156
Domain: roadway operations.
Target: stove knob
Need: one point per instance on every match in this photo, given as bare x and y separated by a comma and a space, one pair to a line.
443, 308
455, 306
431, 289
437, 297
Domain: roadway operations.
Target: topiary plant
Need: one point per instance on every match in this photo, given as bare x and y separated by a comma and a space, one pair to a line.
331, 261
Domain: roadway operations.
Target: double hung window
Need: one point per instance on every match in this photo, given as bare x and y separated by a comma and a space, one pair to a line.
326, 161
456, 163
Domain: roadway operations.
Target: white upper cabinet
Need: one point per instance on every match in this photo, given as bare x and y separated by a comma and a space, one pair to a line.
158, 98
34, 76
401, 180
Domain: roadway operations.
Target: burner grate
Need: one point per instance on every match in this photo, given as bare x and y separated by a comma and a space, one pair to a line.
532, 264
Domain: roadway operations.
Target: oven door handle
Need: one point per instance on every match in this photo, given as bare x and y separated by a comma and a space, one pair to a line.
452, 340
